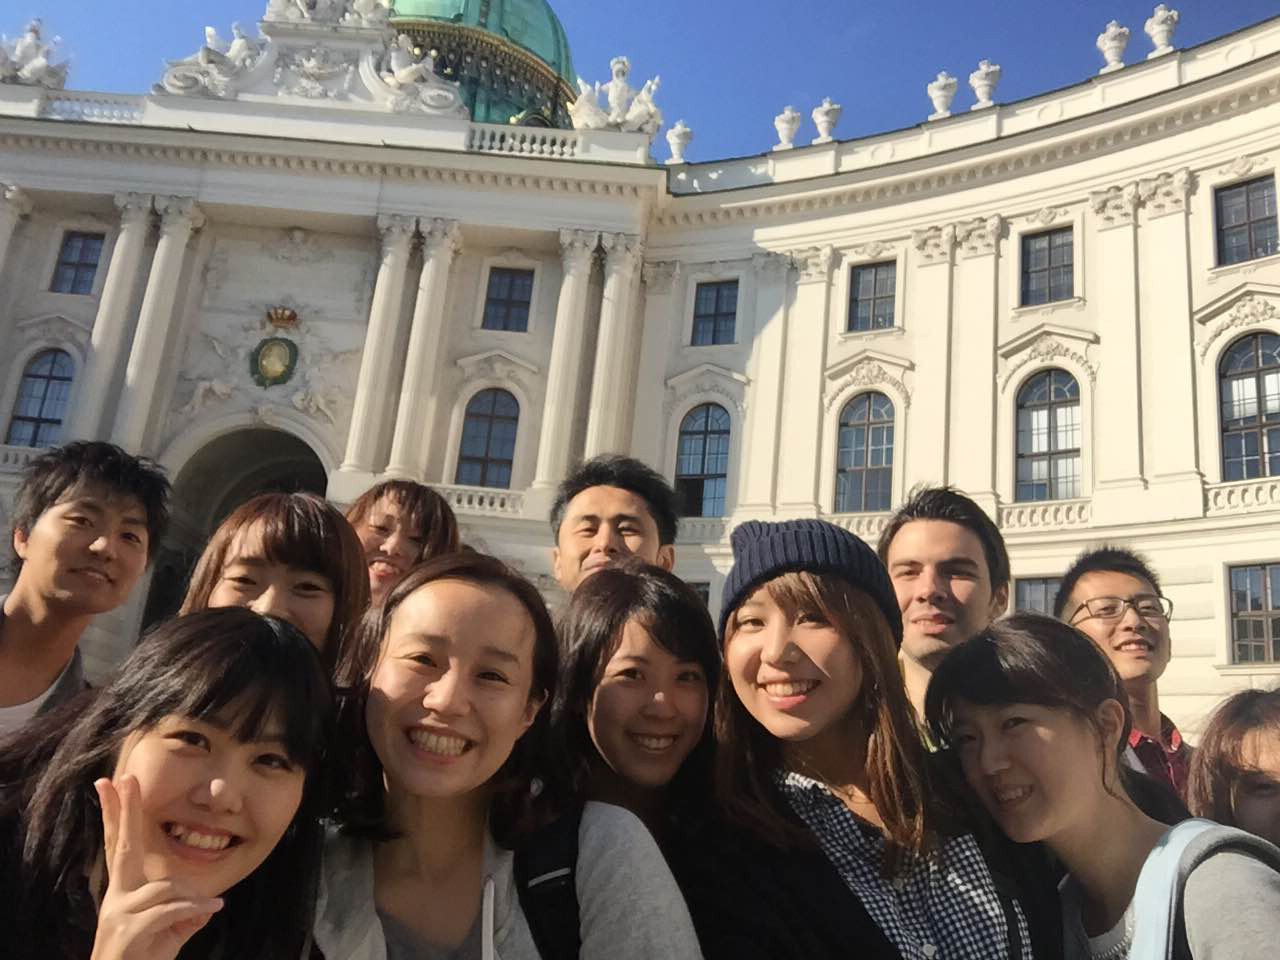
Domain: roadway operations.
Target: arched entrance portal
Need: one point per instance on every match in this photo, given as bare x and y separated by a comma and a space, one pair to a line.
222, 475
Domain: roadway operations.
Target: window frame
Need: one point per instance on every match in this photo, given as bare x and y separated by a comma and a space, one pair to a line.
876, 298
460, 458
1025, 270
510, 260
1051, 454
508, 302
1219, 230
77, 266
1041, 582
24, 373
1261, 427
696, 284
870, 423
1269, 615
702, 477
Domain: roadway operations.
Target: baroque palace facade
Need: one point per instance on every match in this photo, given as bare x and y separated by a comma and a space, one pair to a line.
300, 261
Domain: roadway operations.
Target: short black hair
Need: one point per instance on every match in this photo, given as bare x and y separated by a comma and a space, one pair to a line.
948, 503
50, 476
626, 473
1107, 558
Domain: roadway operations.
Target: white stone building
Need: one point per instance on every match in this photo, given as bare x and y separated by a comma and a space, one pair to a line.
299, 260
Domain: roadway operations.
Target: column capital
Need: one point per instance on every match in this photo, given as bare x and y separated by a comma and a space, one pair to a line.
622, 251
815, 263
980, 236
577, 247
439, 236
935, 244
179, 213
14, 201
659, 275
770, 265
396, 228
134, 207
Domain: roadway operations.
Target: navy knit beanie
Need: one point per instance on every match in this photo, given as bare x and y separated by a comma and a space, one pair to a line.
763, 551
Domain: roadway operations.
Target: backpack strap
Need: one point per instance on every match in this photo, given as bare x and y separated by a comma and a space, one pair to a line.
545, 865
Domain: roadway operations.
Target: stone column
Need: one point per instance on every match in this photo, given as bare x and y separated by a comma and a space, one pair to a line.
973, 357
1117, 452
424, 358
661, 327
179, 218
111, 325
764, 394
377, 362
1169, 344
577, 252
14, 205
928, 444
610, 408
806, 359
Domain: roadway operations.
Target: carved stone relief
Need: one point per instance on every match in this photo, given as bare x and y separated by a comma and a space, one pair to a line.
1047, 346
981, 236
934, 244
815, 263
1249, 311
866, 373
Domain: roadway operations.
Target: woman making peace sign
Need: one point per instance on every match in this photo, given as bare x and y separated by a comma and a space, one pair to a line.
173, 812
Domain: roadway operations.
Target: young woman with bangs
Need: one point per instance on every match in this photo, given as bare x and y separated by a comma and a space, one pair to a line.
1040, 720
631, 717
835, 840
1235, 770
446, 730
174, 812
292, 556
400, 523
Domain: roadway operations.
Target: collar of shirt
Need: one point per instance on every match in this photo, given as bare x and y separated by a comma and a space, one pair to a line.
1170, 737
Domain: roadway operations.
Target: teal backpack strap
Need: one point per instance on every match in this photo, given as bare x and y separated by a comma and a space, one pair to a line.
1155, 900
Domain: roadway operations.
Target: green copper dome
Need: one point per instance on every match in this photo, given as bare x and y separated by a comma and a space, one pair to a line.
486, 45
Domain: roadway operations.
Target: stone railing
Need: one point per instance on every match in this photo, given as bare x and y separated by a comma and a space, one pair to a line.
483, 501
524, 141
93, 107
865, 525
701, 530
15, 459
1044, 515
1243, 496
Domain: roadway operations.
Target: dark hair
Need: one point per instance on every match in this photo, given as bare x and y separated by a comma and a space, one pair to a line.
1107, 558
361, 809
947, 503
227, 666
1218, 762
423, 508
300, 530
626, 473
590, 633
54, 475
748, 756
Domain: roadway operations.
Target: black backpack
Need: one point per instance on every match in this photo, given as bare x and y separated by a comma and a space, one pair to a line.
545, 864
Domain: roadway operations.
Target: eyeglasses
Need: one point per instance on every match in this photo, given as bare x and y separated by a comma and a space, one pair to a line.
1149, 606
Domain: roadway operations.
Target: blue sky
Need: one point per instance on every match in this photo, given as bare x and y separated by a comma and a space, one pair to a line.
727, 67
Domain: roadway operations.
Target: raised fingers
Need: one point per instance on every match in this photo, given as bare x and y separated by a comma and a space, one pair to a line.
125, 864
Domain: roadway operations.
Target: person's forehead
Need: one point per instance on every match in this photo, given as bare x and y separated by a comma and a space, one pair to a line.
608, 502
389, 507
1261, 750
933, 541
1110, 583
103, 498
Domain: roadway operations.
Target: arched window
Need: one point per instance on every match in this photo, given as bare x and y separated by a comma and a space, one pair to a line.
864, 454
1249, 374
42, 400
702, 461
488, 440
1049, 437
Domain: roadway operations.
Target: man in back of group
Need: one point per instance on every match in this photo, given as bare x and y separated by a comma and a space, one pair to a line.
609, 508
87, 519
950, 570
1112, 595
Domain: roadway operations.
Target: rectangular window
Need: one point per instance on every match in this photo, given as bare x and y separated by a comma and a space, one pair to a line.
1047, 267
1255, 613
1035, 594
715, 309
77, 263
1246, 220
871, 297
506, 303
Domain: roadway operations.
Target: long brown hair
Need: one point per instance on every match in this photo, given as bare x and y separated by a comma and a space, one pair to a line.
748, 756
362, 808
300, 530
1218, 763
423, 508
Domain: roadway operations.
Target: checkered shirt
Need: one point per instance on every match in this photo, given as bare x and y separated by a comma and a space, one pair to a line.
944, 907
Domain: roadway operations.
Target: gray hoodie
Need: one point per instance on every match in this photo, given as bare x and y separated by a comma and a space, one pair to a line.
629, 904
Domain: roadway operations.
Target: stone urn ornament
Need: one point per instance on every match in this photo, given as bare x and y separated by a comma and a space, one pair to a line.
942, 91
984, 80
787, 123
1111, 43
1159, 28
825, 117
678, 139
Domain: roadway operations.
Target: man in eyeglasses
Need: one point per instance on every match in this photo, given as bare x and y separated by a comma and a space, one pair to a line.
1113, 596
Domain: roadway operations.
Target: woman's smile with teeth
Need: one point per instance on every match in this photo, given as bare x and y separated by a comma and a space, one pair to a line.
789, 688
1006, 795
194, 838
654, 742
440, 743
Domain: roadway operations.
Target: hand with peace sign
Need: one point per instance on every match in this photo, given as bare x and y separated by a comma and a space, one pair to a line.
140, 919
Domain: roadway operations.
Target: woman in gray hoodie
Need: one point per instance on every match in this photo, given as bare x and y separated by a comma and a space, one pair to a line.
445, 732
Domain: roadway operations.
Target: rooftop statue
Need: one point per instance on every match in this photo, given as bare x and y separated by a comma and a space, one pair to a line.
216, 66
26, 61
403, 67
629, 110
